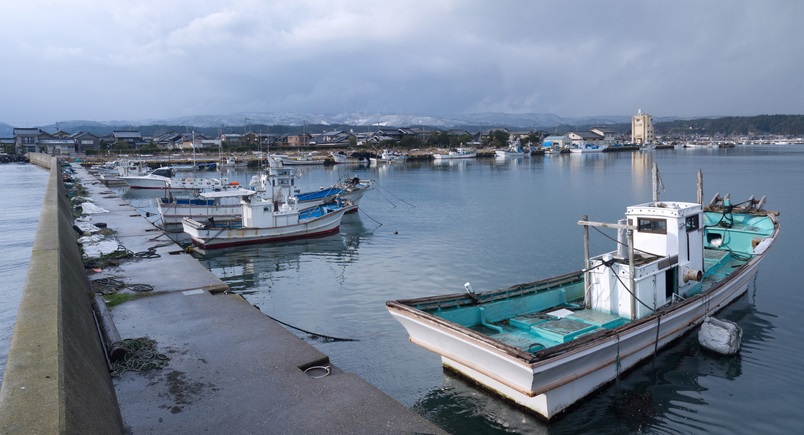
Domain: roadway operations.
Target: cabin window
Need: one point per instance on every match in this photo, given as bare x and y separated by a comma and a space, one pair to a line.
656, 226
692, 223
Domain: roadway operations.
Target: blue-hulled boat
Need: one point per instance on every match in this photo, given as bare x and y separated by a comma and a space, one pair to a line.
547, 344
224, 204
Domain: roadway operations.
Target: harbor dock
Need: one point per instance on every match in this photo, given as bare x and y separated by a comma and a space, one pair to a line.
227, 367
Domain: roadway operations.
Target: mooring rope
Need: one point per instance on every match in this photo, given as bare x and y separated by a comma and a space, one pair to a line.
141, 355
311, 334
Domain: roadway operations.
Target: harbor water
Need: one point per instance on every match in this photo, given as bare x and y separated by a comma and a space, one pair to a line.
429, 227
22, 188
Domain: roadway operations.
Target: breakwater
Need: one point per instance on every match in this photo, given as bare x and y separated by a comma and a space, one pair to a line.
56, 378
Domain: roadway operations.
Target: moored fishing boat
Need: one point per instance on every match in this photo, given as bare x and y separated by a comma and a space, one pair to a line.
388, 156
298, 160
587, 148
278, 184
222, 205
164, 178
547, 344
511, 151
266, 221
341, 157
457, 153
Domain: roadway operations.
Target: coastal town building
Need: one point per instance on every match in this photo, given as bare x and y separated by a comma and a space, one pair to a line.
557, 142
642, 128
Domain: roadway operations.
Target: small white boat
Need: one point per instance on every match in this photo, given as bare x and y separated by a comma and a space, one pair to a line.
457, 153
111, 173
547, 344
587, 148
296, 160
511, 151
388, 156
224, 205
163, 178
341, 157
267, 221
232, 162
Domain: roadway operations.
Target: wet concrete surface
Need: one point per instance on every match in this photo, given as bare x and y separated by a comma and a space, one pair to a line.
229, 367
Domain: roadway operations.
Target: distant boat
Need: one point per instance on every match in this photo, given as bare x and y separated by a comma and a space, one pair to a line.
341, 157
164, 178
303, 159
546, 345
233, 162
511, 151
388, 156
587, 148
457, 153
265, 220
225, 206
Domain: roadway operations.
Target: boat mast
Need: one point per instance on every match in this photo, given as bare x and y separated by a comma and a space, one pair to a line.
657, 182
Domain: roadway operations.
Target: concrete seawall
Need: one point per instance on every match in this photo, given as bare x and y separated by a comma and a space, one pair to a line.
56, 378
229, 367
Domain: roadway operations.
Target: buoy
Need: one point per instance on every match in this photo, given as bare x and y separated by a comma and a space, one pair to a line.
234, 183
721, 336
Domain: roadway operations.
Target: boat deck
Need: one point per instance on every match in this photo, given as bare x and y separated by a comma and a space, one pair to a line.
536, 331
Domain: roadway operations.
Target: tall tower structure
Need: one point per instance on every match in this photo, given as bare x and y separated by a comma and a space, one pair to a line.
641, 128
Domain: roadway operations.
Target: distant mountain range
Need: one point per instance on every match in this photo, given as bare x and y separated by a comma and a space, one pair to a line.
524, 121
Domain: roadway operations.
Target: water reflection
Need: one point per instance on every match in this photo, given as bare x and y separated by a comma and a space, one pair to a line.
667, 393
252, 269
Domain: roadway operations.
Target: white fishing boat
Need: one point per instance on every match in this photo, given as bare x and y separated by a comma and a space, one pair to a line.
296, 160
587, 148
511, 151
164, 178
457, 153
341, 157
110, 173
547, 344
266, 221
224, 206
232, 162
278, 184
388, 156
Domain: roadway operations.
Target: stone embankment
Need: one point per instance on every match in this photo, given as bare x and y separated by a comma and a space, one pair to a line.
225, 367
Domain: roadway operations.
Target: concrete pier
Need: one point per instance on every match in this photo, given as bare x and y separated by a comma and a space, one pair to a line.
230, 368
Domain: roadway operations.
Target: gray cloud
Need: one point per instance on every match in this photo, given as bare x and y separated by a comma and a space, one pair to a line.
80, 59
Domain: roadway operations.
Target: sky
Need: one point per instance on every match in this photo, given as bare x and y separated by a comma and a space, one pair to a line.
161, 59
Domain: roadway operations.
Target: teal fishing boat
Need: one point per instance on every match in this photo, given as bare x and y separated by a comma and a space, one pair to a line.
547, 344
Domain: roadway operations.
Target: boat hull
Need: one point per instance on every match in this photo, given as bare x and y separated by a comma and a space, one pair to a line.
550, 386
173, 212
470, 155
572, 361
224, 237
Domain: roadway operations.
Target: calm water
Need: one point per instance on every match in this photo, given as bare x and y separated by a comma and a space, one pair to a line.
22, 188
429, 228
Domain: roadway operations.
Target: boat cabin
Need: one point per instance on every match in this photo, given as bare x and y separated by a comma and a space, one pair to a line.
667, 261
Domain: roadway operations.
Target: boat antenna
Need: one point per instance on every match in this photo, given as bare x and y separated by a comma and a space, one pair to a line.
657, 182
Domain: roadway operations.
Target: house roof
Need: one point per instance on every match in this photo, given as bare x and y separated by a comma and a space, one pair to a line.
127, 134
587, 134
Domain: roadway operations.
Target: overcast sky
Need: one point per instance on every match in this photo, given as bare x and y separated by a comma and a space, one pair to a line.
146, 59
